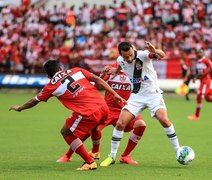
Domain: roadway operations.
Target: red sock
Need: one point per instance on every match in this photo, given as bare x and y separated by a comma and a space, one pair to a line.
198, 109
69, 153
199, 104
84, 154
96, 136
133, 140
77, 146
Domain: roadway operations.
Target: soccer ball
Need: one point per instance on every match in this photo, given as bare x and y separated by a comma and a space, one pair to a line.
185, 155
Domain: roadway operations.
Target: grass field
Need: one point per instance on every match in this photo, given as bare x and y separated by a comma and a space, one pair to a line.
30, 143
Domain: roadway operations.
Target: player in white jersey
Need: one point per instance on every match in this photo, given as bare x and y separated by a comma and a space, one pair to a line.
137, 65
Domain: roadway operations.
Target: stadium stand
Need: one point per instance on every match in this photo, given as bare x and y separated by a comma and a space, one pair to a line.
87, 34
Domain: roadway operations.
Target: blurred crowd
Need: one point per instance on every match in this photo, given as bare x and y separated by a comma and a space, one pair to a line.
30, 35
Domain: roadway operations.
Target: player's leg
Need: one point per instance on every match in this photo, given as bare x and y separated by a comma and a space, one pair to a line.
80, 128
208, 96
96, 135
161, 115
200, 95
77, 146
124, 118
67, 156
138, 126
99, 116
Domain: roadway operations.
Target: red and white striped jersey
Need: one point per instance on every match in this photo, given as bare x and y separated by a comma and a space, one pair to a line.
121, 84
73, 89
204, 65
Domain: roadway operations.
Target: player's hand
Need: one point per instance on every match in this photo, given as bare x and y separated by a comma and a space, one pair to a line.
15, 108
120, 99
150, 47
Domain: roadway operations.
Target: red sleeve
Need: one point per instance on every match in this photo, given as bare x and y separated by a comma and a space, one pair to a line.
150, 55
86, 73
45, 93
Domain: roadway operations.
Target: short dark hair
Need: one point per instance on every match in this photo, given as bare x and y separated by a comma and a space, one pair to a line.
124, 46
51, 67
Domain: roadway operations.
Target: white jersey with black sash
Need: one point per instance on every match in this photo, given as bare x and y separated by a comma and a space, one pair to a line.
141, 73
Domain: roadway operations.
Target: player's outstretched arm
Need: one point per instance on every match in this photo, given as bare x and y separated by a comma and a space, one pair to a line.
101, 83
158, 52
31, 103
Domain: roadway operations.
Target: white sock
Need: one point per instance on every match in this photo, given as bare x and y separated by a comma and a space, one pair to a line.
170, 132
116, 138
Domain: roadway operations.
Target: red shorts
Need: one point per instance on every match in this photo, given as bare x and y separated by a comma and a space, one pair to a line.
82, 125
113, 117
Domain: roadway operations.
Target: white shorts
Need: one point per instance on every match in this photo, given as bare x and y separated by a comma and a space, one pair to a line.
138, 102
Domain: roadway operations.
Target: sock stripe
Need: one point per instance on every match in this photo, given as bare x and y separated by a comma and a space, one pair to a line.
171, 135
116, 139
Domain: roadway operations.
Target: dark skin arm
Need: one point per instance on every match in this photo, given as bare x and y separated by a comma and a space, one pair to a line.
31, 103
101, 83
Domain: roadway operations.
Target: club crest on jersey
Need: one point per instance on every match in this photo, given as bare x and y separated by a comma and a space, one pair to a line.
122, 78
138, 66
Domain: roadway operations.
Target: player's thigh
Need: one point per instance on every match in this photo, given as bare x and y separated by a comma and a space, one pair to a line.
81, 126
124, 118
157, 102
135, 104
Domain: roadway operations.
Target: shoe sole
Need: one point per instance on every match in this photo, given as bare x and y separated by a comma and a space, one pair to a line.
96, 158
128, 163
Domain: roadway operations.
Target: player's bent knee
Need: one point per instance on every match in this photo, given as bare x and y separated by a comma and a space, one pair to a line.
165, 122
139, 123
65, 131
208, 98
120, 125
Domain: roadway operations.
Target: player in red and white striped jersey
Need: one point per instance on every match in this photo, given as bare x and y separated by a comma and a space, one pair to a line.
204, 67
73, 89
121, 84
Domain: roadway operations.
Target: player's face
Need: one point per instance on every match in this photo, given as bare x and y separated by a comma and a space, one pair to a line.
200, 53
128, 56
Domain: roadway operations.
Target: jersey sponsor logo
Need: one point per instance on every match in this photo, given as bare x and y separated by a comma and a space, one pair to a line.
135, 80
145, 78
123, 87
59, 76
138, 80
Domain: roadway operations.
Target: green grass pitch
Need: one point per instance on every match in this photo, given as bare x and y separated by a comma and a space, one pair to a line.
30, 143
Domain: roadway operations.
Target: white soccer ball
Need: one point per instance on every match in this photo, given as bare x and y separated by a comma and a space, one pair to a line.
185, 155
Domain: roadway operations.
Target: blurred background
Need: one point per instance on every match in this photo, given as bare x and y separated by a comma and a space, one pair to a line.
86, 33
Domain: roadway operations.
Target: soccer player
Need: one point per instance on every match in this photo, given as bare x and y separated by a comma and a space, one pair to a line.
204, 67
73, 89
137, 65
121, 84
